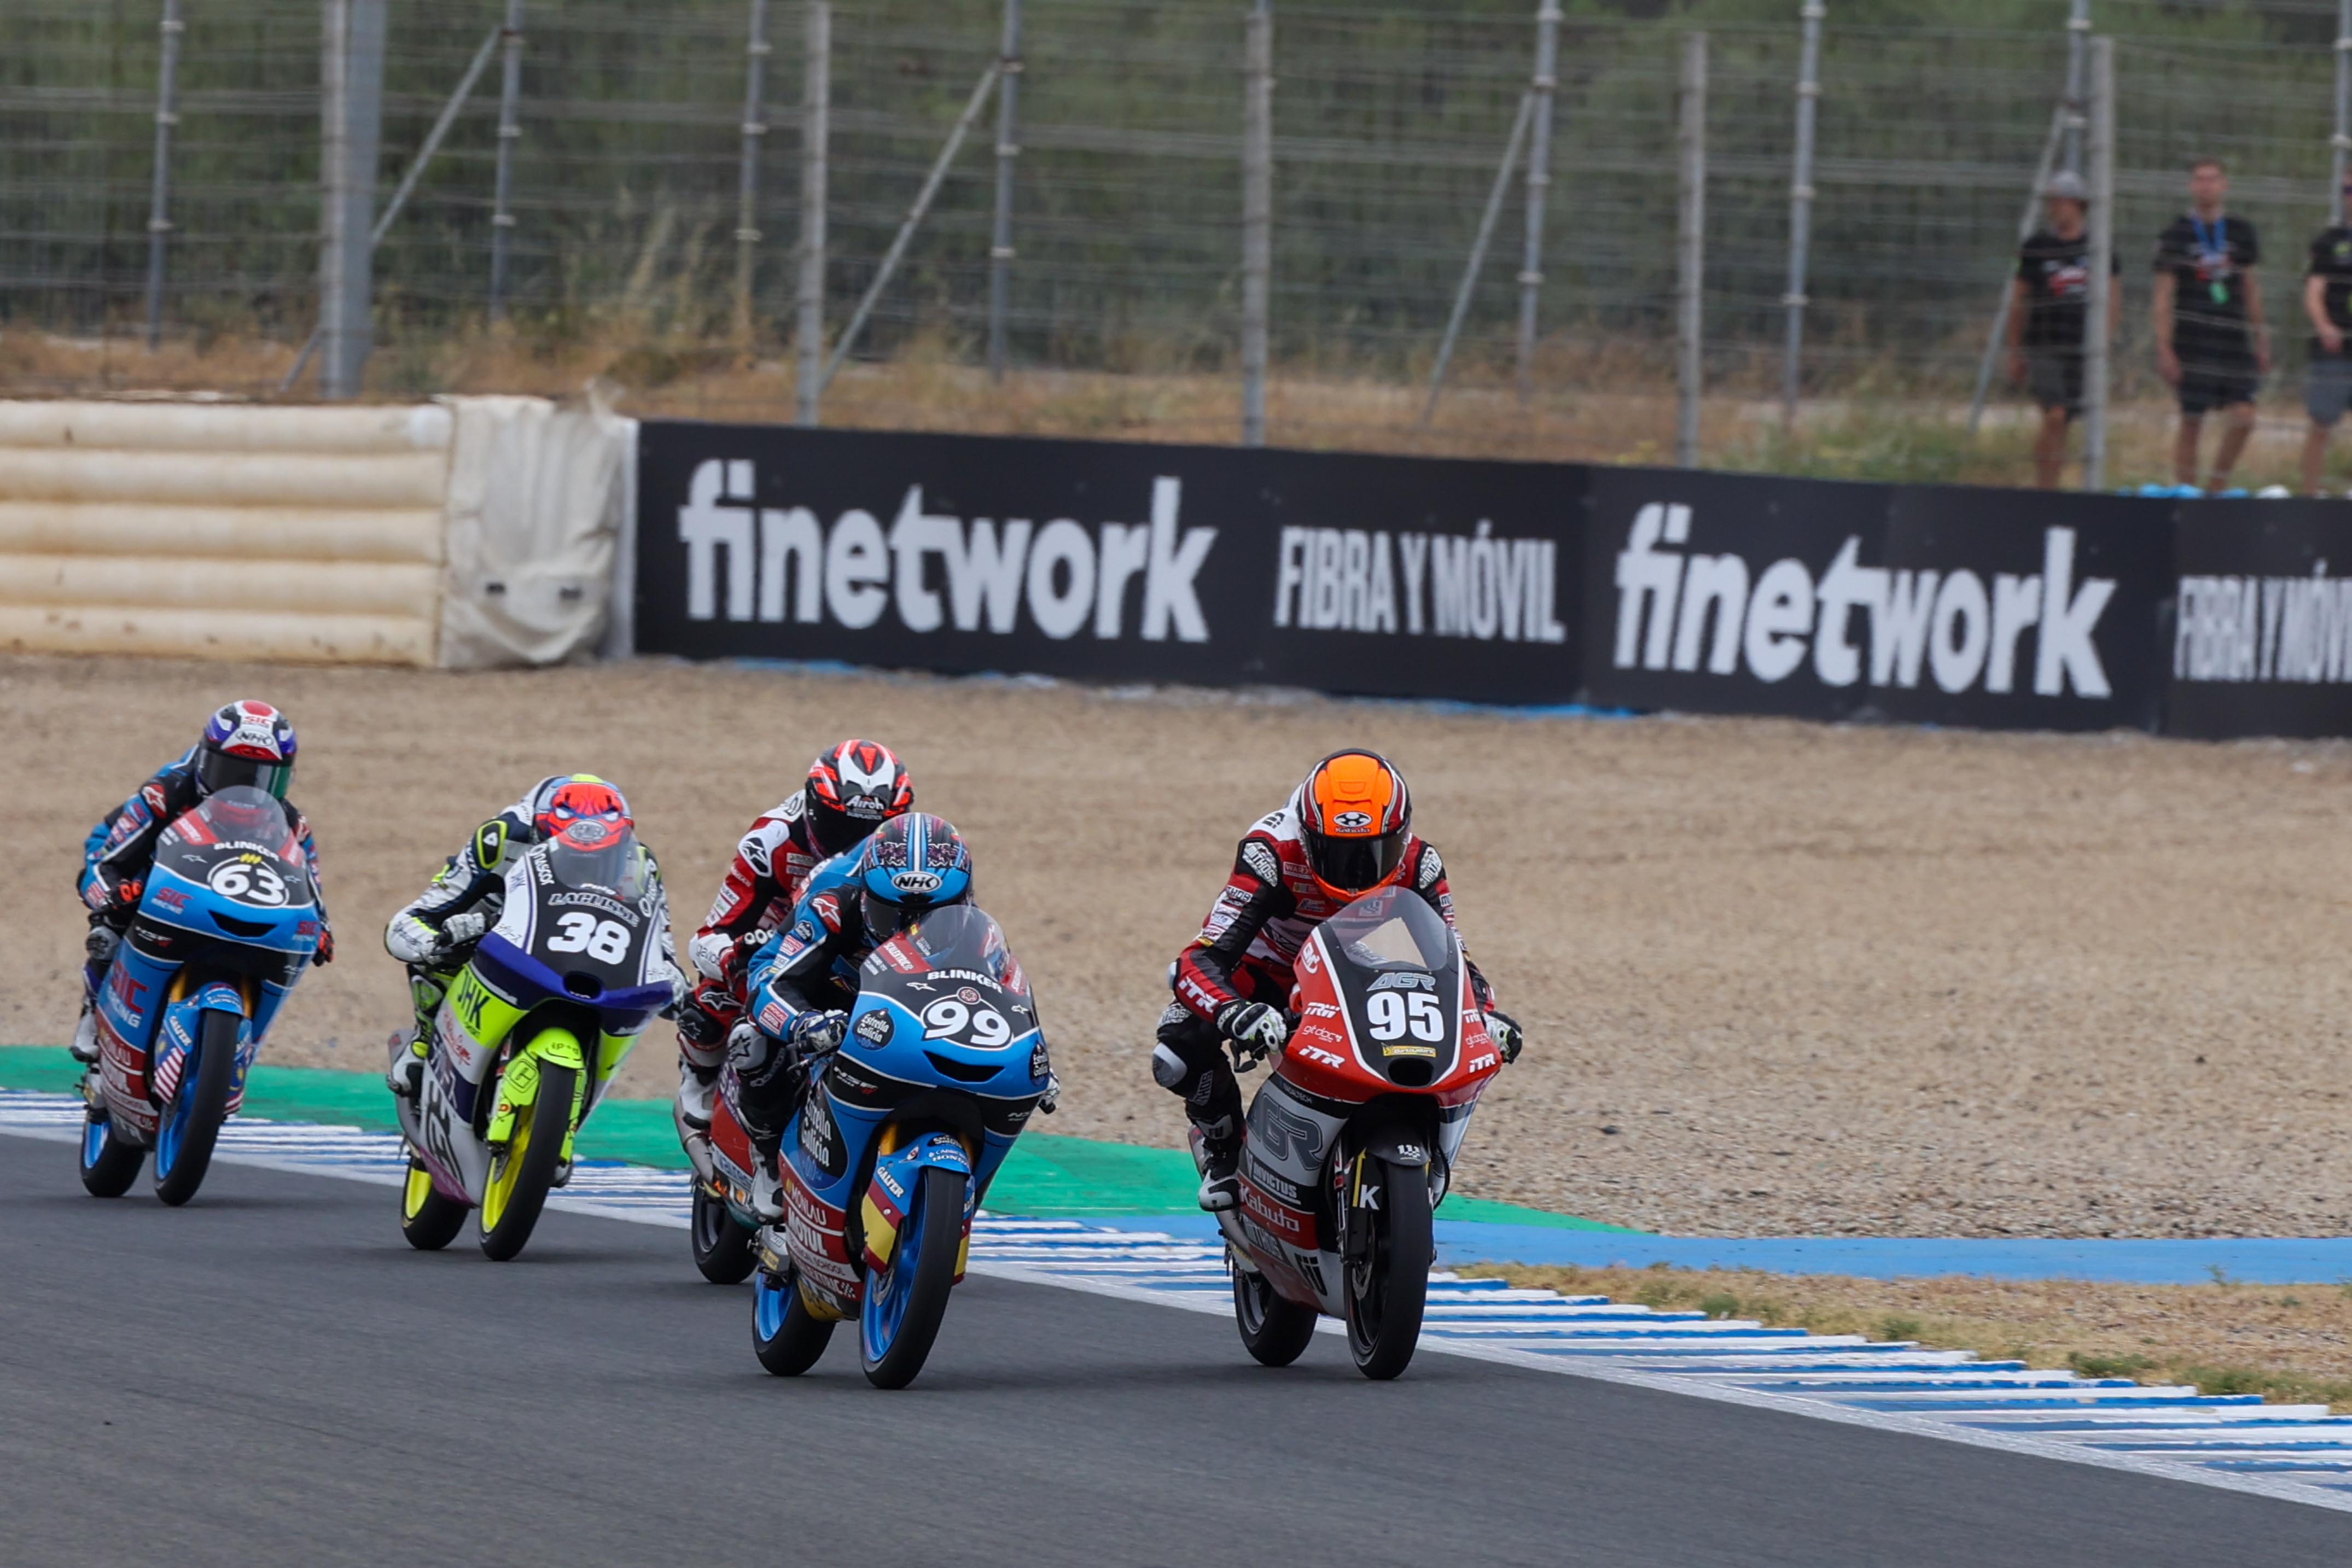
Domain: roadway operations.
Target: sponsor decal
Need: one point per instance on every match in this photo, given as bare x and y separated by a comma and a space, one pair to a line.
1329, 1058
1408, 1049
177, 902
1321, 1032
1480, 1063
1322, 1010
874, 1027
1263, 864
916, 882
1474, 585
1040, 1064
569, 897
2264, 630
1402, 980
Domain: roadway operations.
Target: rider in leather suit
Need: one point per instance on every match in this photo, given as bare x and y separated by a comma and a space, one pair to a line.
851, 789
1344, 832
244, 743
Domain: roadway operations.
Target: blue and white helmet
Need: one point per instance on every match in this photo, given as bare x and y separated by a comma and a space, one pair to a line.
911, 864
246, 743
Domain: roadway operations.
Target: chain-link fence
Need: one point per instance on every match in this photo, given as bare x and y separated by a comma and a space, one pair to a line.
1389, 122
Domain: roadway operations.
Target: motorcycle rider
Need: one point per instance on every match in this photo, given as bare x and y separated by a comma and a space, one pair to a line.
803, 979
244, 743
851, 789
433, 934
1346, 830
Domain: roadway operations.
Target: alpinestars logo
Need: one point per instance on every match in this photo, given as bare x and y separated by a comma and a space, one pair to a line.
1946, 625
1065, 575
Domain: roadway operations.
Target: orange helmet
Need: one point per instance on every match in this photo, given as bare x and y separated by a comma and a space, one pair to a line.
1355, 817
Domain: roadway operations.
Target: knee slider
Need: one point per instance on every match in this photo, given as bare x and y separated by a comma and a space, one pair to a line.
1169, 1070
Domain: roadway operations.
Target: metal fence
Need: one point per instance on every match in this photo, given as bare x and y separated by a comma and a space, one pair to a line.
634, 180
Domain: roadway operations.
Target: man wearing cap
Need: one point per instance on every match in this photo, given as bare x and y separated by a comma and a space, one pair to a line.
2211, 342
2328, 301
2045, 319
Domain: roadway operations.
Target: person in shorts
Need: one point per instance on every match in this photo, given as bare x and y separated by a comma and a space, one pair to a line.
2211, 342
2046, 317
2328, 302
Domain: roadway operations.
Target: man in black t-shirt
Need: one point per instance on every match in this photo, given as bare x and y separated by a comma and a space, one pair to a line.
2047, 318
2211, 342
2328, 302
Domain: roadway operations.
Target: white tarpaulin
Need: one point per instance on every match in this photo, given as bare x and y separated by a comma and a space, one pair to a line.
536, 504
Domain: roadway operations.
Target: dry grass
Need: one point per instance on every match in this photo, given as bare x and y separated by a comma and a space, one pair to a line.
1608, 403
2291, 1342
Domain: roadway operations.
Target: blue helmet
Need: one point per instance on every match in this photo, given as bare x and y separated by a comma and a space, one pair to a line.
911, 864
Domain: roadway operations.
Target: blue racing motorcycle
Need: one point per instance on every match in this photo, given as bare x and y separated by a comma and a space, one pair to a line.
228, 921
901, 1129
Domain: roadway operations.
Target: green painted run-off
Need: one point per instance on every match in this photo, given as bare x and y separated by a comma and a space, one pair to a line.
1046, 1174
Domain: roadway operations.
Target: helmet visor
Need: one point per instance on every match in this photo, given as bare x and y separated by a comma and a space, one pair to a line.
219, 770
834, 829
1354, 863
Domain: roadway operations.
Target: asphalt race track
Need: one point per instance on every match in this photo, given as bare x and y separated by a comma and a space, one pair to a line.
270, 1376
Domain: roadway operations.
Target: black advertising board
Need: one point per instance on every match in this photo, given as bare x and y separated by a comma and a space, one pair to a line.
1111, 561
2262, 636
1995, 609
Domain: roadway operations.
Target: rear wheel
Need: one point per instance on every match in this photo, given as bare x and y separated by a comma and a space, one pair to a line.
428, 1220
109, 1162
722, 1248
1387, 1291
785, 1335
183, 1145
521, 1173
1275, 1330
905, 1304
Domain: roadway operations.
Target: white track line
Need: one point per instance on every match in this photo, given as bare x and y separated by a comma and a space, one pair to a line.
2293, 1453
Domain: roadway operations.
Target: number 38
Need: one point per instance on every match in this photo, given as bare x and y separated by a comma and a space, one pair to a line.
606, 941
1393, 1014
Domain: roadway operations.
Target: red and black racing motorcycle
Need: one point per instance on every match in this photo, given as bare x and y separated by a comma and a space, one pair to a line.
1350, 1142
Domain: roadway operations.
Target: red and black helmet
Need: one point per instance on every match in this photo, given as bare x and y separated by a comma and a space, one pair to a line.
246, 743
852, 789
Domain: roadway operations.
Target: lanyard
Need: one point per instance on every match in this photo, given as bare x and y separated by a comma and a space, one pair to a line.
2218, 284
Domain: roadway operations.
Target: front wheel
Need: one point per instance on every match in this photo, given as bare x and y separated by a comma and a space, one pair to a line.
1275, 1330
109, 1162
428, 1220
722, 1246
183, 1145
785, 1335
1387, 1291
905, 1304
520, 1176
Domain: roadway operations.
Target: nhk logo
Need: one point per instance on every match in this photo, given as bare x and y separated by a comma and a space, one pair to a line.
937, 571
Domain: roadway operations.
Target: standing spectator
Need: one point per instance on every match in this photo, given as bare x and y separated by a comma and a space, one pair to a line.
2047, 318
2211, 342
2328, 301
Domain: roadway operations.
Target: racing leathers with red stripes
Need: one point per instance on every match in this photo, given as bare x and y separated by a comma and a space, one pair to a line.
763, 883
1245, 954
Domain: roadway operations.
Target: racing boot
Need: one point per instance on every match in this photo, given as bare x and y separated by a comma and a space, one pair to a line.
100, 946
767, 1192
406, 1075
1219, 1160
697, 1088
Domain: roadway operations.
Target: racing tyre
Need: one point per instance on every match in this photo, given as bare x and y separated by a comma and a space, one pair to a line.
723, 1249
428, 1220
183, 1144
109, 1162
1387, 1291
785, 1335
520, 1177
905, 1304
1275, 1330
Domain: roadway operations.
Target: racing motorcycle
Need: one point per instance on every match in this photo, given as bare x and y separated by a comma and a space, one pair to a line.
228, 921
1349, 1145
527, 1040
901, 1130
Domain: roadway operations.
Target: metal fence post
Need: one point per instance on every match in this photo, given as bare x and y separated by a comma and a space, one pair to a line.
1478, 257
1008, 155
1257, 215
351, 105
2026, 223
2096, 344
1800, 209
816, 105
502, 218
747, 194
159, 211
1690, 250
2078, 31
1545, 88
2342, 142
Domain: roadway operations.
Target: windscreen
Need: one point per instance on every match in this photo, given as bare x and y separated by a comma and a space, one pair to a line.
1393, 929
240, 845
613, 864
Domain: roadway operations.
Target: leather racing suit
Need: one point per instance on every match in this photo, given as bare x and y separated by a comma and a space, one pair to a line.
764, 887
809, 966
1245, 954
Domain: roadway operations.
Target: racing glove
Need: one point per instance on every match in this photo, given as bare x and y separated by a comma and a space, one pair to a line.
1051, 1100
1504, 1030
122, 898
458, 930
101, 943
816, 1031
1253, 1027
326, 950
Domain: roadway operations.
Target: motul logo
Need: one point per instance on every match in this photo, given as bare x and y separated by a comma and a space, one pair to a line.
768, 563
1689, 612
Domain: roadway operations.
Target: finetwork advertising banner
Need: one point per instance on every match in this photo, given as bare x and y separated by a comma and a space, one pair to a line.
2261, 635
1111, 561
1942, 604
